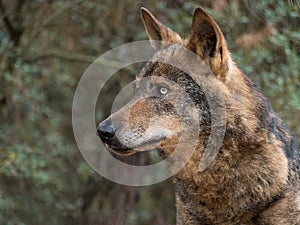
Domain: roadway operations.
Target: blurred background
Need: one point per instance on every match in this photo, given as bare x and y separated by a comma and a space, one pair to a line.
45, 47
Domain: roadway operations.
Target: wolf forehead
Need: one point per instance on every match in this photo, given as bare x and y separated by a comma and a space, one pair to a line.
171, 63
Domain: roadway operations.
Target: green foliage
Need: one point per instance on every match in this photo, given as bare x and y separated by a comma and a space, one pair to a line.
274, 64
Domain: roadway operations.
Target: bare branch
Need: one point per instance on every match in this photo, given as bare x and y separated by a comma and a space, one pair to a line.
18, 6
292, 2
7, 23
51, 19
13, 25
64, 55
74, 57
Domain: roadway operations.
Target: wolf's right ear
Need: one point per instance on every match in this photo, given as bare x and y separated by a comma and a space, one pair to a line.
207, 41
157, 31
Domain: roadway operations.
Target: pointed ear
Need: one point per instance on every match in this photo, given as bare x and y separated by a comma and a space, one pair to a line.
207, 41
157, 31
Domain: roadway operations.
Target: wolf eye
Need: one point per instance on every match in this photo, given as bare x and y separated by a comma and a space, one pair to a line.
163, 90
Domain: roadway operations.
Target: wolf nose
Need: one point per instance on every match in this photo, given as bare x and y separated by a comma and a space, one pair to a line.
106, 130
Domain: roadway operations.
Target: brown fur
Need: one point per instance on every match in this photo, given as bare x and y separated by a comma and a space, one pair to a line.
255, 177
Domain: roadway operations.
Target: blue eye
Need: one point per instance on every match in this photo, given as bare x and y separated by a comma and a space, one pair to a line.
163, 90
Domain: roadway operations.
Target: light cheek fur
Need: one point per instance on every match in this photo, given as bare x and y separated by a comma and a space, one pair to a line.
298, 200
139, 127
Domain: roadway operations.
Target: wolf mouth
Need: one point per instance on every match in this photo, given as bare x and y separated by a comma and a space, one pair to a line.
127, 151
122, 152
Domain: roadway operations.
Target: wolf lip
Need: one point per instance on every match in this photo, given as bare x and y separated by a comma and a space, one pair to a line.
117, 147
122, 152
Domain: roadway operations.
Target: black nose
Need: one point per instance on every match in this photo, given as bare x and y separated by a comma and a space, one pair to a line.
106, 130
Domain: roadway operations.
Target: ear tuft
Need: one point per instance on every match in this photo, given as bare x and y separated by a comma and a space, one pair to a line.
207, 41
157, 31
151, 24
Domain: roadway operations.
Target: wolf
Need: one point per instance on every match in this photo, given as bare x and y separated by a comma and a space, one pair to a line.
254, 179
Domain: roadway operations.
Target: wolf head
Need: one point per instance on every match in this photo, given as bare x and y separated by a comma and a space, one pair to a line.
169, 104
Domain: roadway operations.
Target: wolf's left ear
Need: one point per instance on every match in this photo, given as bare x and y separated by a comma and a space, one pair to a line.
157, 31
207, 41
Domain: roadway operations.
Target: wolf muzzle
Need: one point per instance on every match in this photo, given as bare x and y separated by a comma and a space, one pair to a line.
106, 131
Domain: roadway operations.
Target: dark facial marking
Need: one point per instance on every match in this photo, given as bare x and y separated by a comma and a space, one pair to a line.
150, 68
